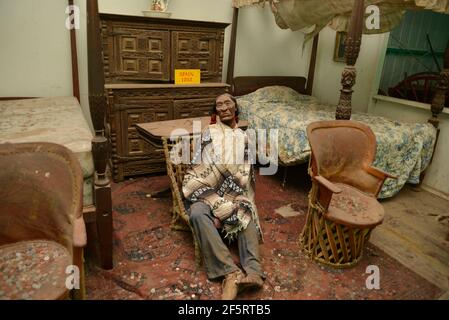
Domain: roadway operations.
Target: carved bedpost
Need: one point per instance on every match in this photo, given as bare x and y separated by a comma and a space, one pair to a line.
352, 49
100, 143
440, 95
312, 65
232, 47
74, 55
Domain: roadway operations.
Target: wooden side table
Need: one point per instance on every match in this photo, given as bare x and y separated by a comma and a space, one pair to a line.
153, 132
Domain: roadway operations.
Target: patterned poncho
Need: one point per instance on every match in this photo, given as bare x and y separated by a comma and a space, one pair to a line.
221, 176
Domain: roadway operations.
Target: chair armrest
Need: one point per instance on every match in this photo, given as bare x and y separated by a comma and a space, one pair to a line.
79, 233
327, 184
379, 173
326, 189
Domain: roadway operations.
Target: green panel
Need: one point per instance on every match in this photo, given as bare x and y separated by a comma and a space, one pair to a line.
411, 52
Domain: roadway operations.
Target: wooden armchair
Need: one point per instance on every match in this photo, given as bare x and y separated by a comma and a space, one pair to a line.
42, 231
343, 206
175, 172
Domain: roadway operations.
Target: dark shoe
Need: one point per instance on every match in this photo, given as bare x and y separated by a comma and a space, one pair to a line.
251, 281
230, 285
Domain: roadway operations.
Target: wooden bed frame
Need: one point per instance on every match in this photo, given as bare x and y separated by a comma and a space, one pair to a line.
98, 217
244, 85
101, 144
247, 84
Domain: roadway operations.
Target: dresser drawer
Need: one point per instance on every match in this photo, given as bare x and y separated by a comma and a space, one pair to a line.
145, 111
138, 147
133, 145
193, 108
139, 167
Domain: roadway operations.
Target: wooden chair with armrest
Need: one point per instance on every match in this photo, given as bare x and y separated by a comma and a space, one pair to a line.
176, 171
343, 206
42, 231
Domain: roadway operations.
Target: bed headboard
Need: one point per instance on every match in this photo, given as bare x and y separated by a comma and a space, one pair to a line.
245, 85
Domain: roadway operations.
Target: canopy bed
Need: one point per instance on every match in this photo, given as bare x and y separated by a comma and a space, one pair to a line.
61, 120
404, 149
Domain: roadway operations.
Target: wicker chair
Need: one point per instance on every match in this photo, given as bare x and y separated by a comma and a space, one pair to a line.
175, 172
343, 206
42, 230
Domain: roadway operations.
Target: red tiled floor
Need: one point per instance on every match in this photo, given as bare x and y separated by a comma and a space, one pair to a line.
154, 262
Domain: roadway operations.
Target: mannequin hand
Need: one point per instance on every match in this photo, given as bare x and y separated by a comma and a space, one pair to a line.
218, 223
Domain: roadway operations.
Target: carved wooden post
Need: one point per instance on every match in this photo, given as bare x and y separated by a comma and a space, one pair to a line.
100, 144
232, 47
73, 47
311, 74
440, 95
352, 49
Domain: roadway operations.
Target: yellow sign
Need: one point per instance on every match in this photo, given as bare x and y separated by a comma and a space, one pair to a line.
188, 76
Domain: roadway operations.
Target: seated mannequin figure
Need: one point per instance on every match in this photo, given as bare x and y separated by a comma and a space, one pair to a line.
219, 188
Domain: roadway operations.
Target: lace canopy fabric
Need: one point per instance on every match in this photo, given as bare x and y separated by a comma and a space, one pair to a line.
310, 16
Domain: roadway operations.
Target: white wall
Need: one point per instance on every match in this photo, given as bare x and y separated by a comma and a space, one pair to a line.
35, 50
263, 49
328, 72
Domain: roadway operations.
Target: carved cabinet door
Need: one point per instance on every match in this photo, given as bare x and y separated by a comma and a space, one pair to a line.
141, 54
197, 50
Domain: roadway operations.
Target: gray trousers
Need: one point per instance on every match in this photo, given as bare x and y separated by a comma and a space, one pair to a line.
216, 255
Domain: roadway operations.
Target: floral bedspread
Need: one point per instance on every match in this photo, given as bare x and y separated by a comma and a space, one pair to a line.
403, 149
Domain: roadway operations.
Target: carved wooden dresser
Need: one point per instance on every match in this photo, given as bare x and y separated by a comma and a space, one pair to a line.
140, 55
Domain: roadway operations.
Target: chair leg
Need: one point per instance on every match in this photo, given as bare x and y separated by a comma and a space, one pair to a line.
78, 260
333, 244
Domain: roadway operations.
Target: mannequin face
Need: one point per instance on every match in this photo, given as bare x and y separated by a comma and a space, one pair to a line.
225, 108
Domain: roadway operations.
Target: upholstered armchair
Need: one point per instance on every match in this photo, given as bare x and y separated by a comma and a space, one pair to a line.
42, 231
343, 206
